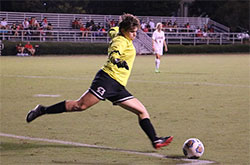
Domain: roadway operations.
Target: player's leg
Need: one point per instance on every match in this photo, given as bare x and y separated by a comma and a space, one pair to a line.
135, 106
22, 49
85, 101
157, 62
33, 51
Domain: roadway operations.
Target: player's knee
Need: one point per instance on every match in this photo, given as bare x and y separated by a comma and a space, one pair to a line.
144, 114
80, 106
75, 106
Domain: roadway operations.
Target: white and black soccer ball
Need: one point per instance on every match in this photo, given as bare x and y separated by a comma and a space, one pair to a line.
193, 148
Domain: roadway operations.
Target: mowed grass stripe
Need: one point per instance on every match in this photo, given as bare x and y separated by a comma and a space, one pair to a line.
134, 81
103, 147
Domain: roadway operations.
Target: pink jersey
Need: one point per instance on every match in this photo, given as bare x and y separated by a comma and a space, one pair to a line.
158, 38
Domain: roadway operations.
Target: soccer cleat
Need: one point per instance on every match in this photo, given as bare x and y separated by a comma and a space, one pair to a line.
162, 141
157, 71
34, 113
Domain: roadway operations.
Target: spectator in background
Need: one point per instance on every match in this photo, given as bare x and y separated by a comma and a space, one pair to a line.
44, 23
143, 25
152, 25
205, 29
34, 25
42, 33
14, 29
87, 28
93, 27
175, 25
37, 49
4, 24
83, 30
169, 23
102, 30
164, 26
26, 24
75, 23
211, 29
107, 24
48, 32
98, 26
92, 22
146, 29
198, 32
49, 27
30, 48
20, 26
205, 34
187, 25
80, 23
88, 24
20, 49
112, 23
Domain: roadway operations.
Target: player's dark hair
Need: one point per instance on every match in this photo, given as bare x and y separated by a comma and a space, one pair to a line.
128, 21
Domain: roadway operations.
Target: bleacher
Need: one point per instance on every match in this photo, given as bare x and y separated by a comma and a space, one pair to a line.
58, 21
63, 31
64, 21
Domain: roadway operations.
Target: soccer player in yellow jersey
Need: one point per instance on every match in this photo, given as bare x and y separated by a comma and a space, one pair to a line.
110, 81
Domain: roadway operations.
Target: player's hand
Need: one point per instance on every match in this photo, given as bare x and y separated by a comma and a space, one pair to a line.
121, 63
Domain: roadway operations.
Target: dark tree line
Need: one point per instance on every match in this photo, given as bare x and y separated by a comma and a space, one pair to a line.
232, 13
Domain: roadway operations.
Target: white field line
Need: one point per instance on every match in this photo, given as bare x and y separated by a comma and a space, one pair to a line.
136, 81
189, 161
193, 83
46, 95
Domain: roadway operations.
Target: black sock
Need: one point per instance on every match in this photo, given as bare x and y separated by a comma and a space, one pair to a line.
56, 108
148, 129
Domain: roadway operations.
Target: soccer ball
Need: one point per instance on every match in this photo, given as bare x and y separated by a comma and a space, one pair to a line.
193, 148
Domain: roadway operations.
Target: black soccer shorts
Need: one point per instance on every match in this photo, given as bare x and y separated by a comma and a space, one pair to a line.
105, 87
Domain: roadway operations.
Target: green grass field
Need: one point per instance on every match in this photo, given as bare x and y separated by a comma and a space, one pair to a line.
202, 96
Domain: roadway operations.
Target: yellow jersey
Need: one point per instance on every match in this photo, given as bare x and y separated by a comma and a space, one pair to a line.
113, 31
120, 48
